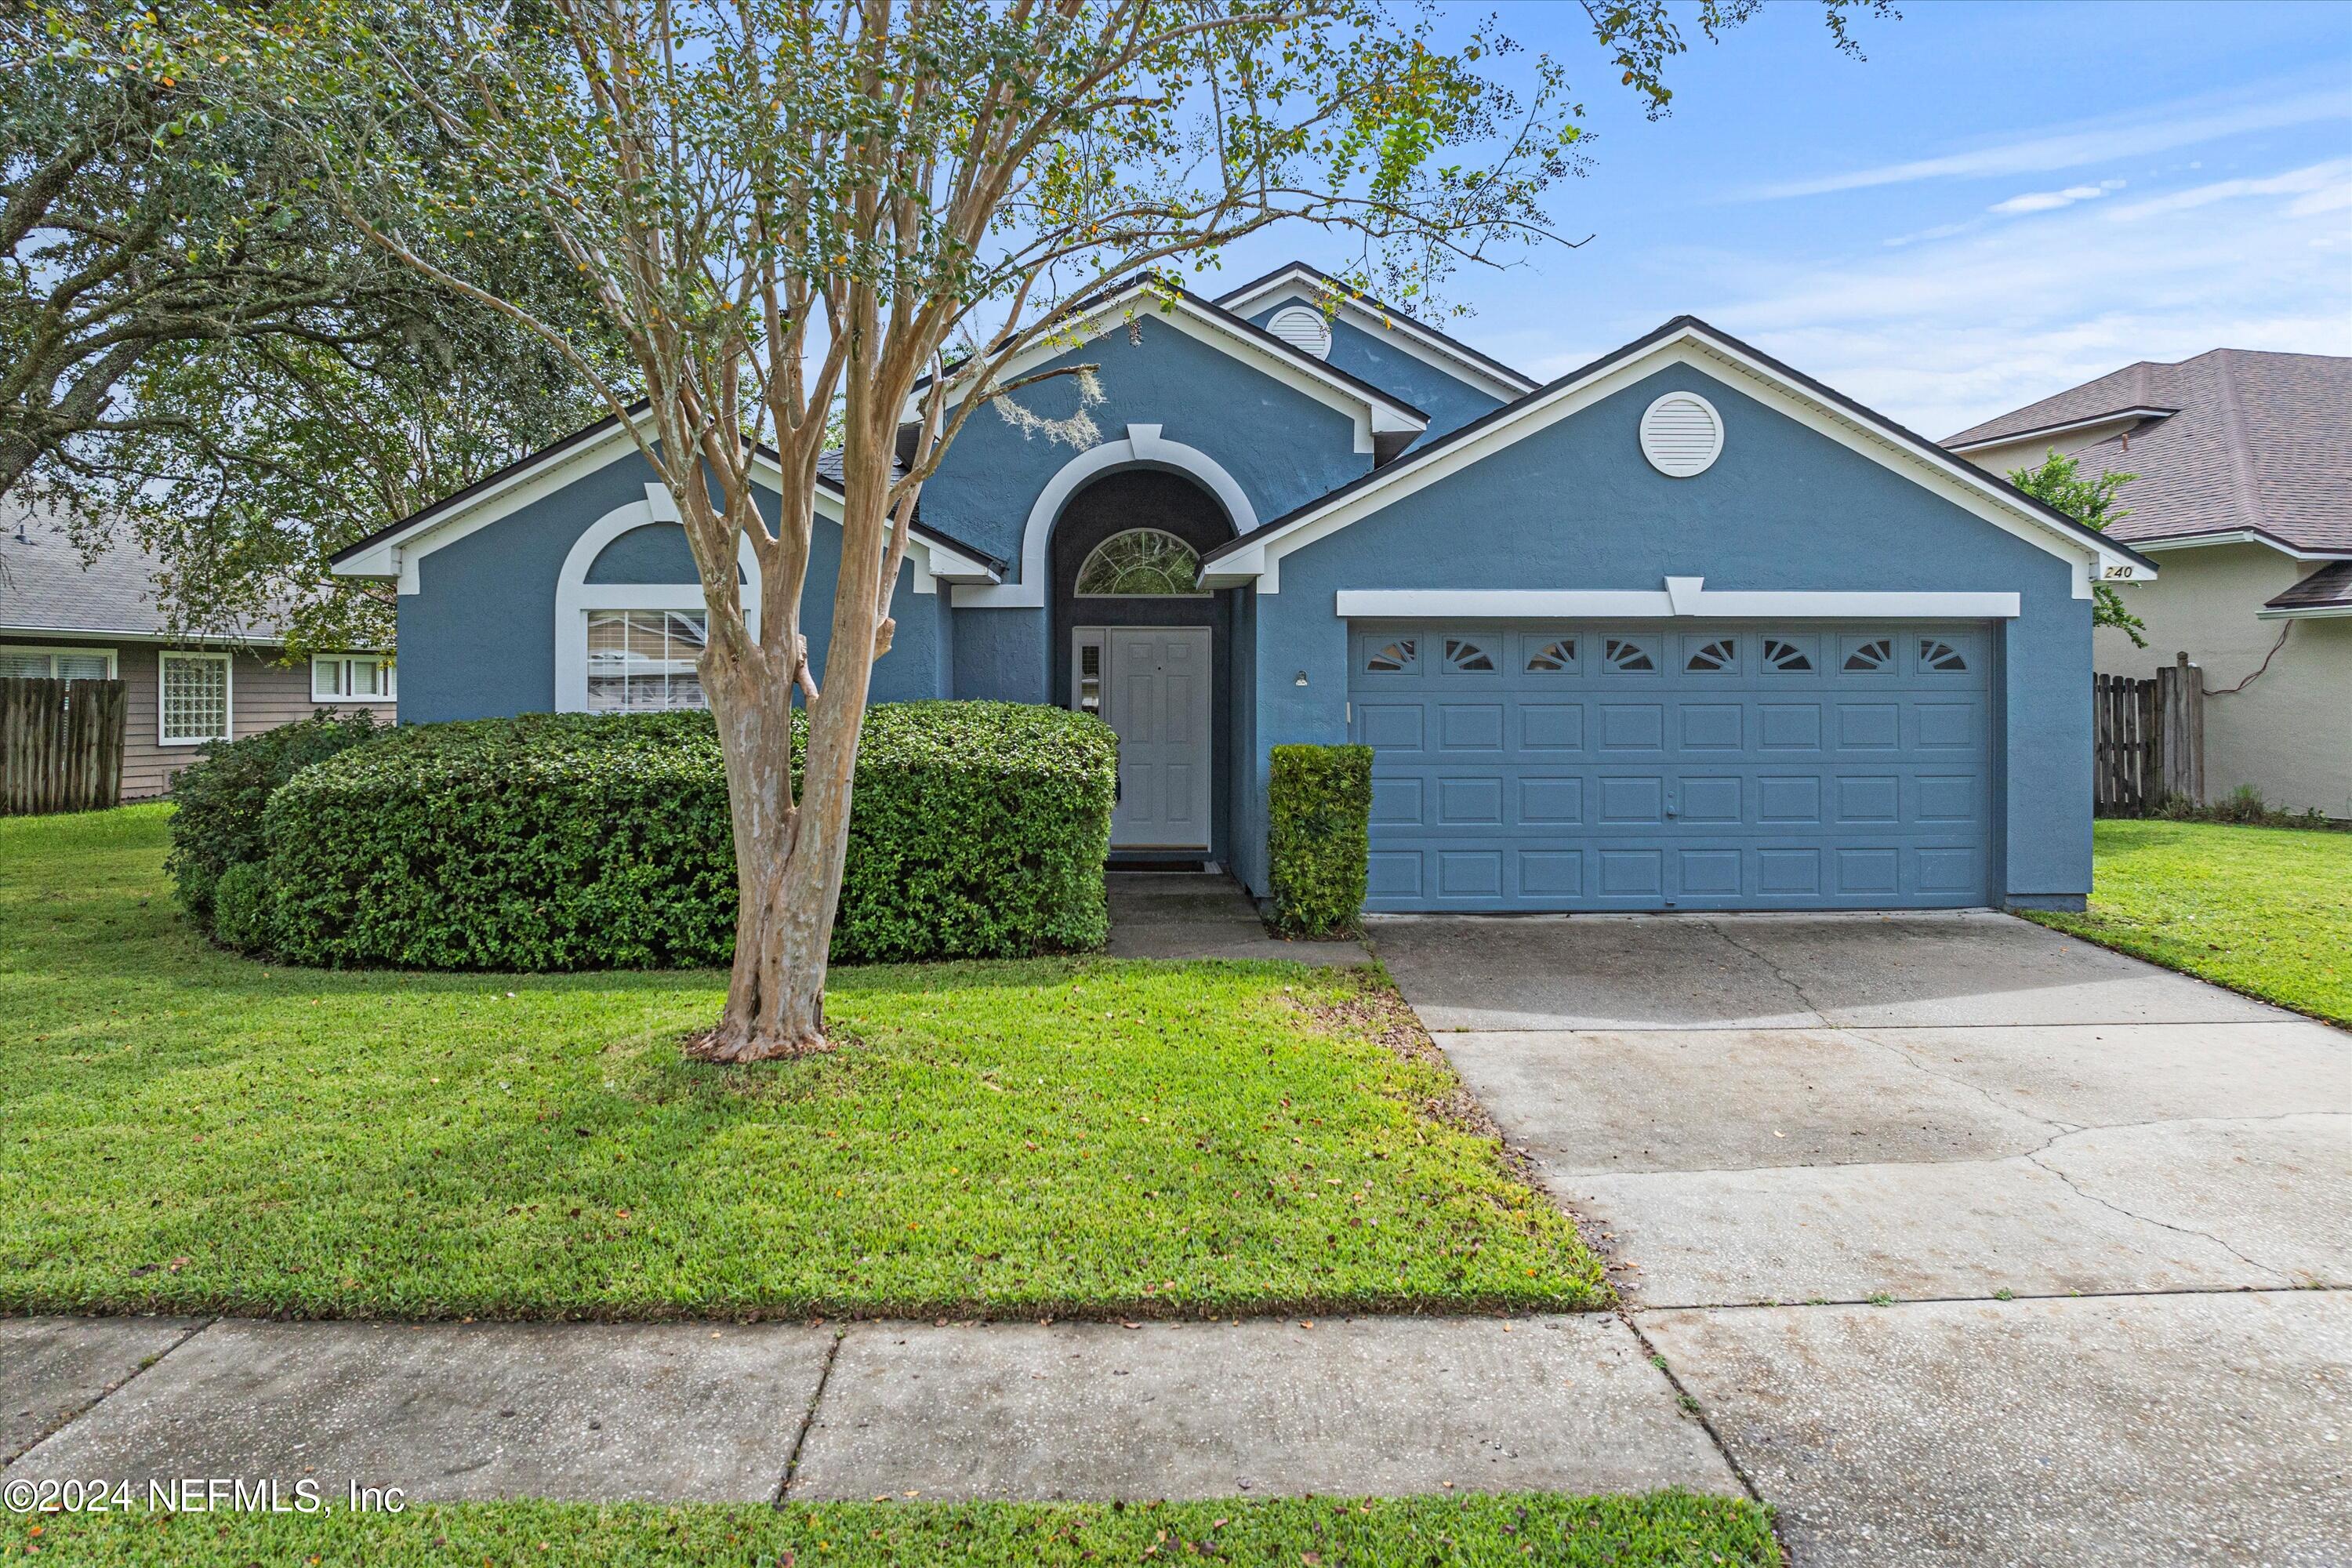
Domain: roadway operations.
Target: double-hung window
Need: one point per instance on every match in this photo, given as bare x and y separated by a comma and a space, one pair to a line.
194, 705
352, 677
643, 661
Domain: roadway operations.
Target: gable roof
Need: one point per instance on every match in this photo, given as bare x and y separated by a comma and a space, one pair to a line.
1376, 412
557, 464
1254, 554
2232, 441
1405, 332
45, 586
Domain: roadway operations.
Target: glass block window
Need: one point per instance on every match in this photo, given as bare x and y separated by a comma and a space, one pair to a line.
1460, 654
57, 663
1553, 656
350, 678
1628, 654
642, 661
1392, 657
1714, 657
1142, 562
195, 698
1876, 654
1788, 656
1937, 654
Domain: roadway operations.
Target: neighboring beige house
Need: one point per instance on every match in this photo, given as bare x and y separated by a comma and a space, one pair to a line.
63, 619
2244, 498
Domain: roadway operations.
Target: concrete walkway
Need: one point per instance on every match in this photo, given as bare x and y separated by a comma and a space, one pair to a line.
1196, 914
1975, 1243
696, 1411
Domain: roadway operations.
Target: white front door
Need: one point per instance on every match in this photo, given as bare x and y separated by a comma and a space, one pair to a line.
1155, 686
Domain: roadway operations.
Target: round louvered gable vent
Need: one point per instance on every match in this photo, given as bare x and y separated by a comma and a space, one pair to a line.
1682, 434
1302, 328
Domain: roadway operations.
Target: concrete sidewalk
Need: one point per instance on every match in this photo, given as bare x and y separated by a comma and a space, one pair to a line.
702, 1412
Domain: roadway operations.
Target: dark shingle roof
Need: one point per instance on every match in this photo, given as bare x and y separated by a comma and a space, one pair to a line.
47, 586
2329, 588
2261, 441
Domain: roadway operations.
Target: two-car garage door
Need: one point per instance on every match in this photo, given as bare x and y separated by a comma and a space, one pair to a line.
1621, 767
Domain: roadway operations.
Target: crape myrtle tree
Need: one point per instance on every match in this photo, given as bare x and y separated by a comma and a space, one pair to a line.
844, 222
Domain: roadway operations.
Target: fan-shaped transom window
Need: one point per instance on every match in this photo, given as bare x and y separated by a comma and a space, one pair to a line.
1142, 562
1392, 657
1937, 654
1876, 654
1714, 657
1554, 656
1628, 654
1461, 654
1781, 655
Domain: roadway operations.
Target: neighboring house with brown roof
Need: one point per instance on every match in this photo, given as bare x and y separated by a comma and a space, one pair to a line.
63, 618
2243, 494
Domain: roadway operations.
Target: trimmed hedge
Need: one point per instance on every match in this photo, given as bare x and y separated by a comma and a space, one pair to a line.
566, 841
1318, 837
219, 800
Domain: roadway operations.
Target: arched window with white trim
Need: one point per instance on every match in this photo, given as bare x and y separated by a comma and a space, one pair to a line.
1139, 564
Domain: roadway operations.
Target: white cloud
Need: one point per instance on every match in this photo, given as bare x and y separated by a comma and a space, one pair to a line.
2050, 201
1958, 327
2045, 150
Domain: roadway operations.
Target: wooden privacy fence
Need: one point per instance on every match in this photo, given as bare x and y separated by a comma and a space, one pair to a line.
2148, 738
60, 745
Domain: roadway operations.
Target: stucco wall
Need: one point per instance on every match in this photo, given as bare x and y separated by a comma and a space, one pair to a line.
477, 640
1449, 402
1576, 507
2289, 732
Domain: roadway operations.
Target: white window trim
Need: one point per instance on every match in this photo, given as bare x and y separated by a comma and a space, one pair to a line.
113, 670
391, 683
1141, 448
1682, 597
228, 698
576, 595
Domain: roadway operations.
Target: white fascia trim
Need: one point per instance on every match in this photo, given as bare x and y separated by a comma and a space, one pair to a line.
1953, 479
1411, 337
1302, 374
397, 556
2237, 536
576, 595
2042, 432
1680, 598
2317, 613
1142, 444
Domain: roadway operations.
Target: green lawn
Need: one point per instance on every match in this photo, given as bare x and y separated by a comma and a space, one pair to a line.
2265, 910
187, 1130
1664, 1528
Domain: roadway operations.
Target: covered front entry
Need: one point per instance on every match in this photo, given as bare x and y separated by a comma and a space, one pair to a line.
1138, 643
1628, 766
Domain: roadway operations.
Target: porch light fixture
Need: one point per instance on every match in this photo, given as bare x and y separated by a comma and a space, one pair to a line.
1299, 680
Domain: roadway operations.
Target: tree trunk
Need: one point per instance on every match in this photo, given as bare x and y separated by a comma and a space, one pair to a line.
789, 860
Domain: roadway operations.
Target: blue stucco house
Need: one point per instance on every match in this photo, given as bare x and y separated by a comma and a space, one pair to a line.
1682, 629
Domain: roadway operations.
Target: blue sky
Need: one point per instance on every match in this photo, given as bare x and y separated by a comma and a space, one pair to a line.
2002, 201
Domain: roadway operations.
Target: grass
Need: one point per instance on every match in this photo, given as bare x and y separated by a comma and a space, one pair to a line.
1651, 1532
2265, 910
183, 1130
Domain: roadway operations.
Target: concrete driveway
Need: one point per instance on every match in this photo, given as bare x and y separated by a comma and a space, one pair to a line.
1976, 1243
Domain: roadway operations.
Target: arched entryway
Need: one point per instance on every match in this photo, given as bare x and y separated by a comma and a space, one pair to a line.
1136, 642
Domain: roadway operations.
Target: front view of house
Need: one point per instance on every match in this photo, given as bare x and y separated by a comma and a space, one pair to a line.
1680, 630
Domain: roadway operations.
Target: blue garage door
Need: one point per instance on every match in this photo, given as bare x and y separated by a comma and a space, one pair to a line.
1625, 767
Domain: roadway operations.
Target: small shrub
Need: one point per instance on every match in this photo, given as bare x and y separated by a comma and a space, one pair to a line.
2245, 807
1318, 837
241, 908
567, 841
220, 799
